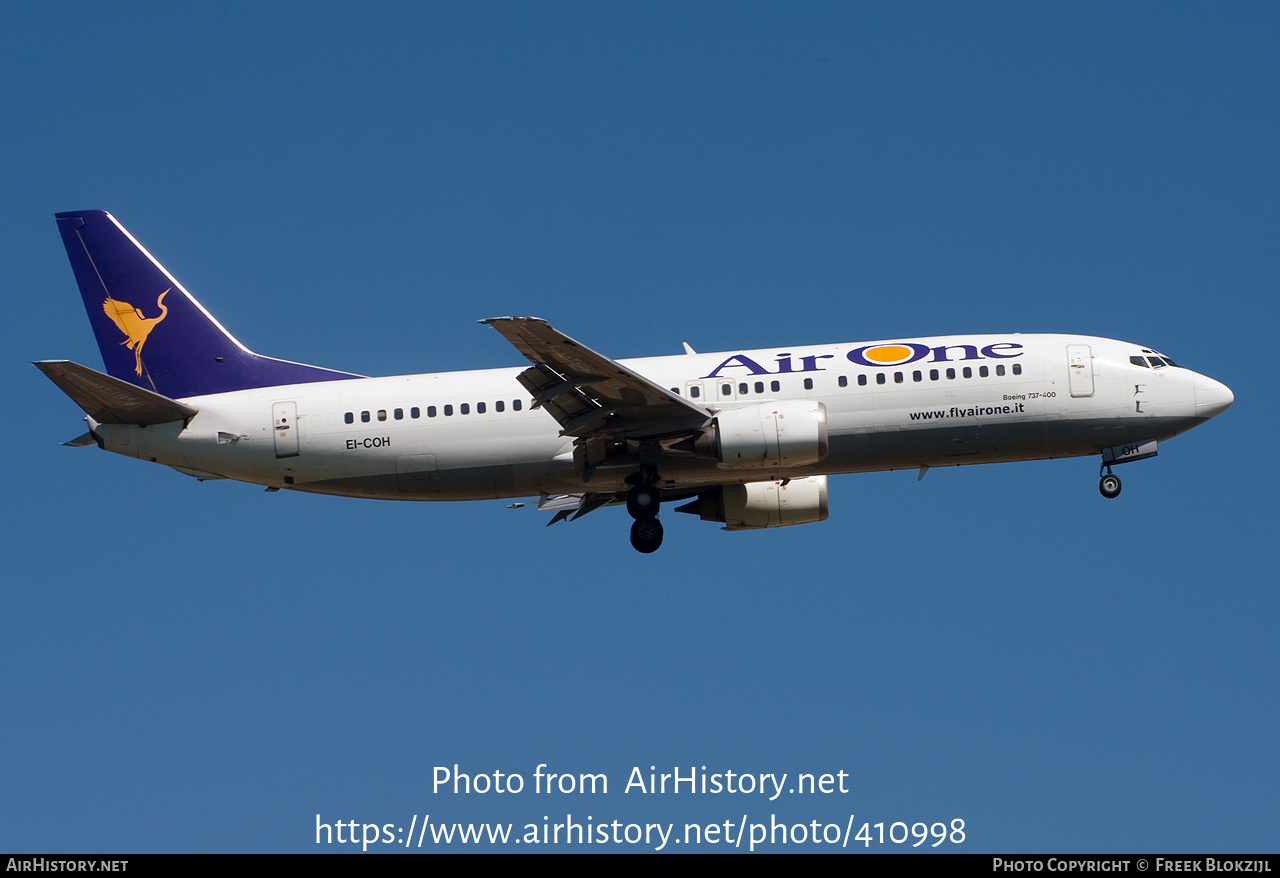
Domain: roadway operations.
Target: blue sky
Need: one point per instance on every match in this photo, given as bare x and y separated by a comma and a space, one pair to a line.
207, 667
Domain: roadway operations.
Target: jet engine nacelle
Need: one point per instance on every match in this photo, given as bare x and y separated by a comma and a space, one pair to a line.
757, 505
776, 434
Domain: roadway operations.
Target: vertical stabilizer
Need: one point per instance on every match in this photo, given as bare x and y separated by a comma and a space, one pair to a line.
150, 330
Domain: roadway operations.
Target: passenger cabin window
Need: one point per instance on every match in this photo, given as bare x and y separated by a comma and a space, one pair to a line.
968, 372
844, 381
742, 388
465, 408
364, 417
448, 411
1000, 369
879, 378
1017, 368
982, 372
726, 389
775, 386
933, 375
515, 405
398, 414
808, 384
415, 412
349, 417
862, 380
479, 408
694, 392
897, 377
431, 411
759, 387
382, 414
500, 405
917, 376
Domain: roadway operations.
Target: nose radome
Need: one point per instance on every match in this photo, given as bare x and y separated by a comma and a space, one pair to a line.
1212, 397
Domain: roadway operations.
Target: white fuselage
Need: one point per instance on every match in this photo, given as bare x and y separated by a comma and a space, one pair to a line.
475, 435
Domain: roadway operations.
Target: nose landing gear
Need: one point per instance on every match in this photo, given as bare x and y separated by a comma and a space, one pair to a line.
1141, 449
1109, 485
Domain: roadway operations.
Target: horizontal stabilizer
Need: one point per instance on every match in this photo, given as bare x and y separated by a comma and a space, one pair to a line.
111, 401
197, 473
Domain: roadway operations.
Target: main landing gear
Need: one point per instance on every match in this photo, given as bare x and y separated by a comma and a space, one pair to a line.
642, 504
1109, 485
646, 535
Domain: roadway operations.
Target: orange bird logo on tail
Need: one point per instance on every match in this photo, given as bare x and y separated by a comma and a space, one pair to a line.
130, 321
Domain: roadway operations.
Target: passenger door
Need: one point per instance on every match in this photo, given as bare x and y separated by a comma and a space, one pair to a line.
1080, 370
284, 416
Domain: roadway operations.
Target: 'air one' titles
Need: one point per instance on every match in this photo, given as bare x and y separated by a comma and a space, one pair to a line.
875, 355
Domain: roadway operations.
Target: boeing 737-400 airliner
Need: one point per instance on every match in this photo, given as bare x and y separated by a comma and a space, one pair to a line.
747, 438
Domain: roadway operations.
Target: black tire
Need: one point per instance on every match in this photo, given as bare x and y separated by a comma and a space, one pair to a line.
1109, 486
646, 535
643, 502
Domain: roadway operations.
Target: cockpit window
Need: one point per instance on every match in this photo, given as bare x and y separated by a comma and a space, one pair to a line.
1156, 362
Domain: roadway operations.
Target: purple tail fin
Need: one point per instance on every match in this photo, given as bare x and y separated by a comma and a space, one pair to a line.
150, 330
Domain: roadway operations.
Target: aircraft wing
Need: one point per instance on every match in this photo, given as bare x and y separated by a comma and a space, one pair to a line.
590, 395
